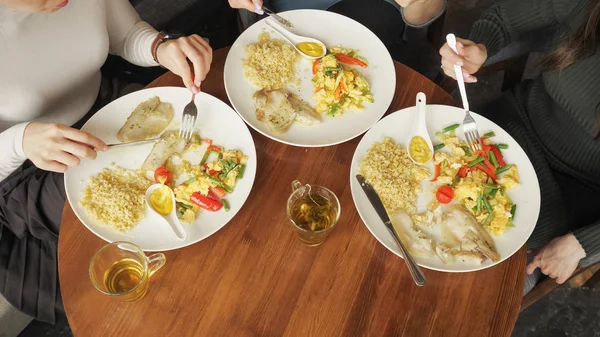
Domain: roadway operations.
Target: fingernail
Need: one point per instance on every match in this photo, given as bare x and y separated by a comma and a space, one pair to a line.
198, 83
458, 44
195, 89
259, 9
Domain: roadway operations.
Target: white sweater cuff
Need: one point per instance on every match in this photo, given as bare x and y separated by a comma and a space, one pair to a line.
137, 48
19, 132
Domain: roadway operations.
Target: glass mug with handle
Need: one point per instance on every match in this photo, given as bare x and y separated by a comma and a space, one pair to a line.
314, 211
122, 270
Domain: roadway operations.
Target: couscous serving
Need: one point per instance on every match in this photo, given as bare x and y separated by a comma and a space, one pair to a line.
270, 63
394, 176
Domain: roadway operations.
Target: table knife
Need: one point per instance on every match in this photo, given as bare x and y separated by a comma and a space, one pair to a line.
413, 268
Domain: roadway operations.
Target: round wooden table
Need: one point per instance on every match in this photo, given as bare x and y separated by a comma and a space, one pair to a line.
254, 278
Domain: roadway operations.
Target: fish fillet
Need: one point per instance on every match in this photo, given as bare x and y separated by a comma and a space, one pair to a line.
148, 120
305, 114
168, 144
280, 108
416, 241
465, 238
274, 109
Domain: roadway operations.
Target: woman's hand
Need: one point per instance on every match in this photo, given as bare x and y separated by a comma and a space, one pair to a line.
559, 258
55, 147
248, 4
174, 55
471, 57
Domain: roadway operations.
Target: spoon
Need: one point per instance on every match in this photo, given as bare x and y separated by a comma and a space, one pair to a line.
419, 152
295, 40
171, 218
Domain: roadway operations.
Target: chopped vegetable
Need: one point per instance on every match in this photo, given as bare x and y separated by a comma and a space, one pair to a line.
493, 159
502, 146
450, 128
349, 60
315, 66
206, 202
438, 170
477, 160
487, 205
189, 181
241, 173
489, 165
489, 135
439, 147
503, 169
513, 210
498, 156
162, 175
225, 205
467, 150
218, 191
214, 148
486, 170
444, 194
220, 184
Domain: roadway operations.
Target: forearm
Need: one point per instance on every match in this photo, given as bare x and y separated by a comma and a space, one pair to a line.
12, 155
589, 238
422, 13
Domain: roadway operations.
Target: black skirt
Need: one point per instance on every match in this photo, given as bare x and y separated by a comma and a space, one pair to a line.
31, 204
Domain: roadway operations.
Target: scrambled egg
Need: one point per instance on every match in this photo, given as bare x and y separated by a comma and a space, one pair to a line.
339, 87
201, 182
476, 186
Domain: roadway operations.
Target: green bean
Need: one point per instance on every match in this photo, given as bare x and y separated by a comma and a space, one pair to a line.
476, 161
450, 128
489, 134
439, 147
502, 146
503, 169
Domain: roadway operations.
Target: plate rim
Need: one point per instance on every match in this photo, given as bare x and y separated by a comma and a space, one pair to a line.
181, 245
476, 268
228, 60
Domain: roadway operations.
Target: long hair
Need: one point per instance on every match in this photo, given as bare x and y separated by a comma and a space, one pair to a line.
581, 44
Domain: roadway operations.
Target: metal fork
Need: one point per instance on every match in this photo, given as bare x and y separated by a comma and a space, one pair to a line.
469, 126
188, 120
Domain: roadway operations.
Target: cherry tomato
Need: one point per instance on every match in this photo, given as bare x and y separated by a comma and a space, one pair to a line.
217, 192
162, 175
206, 202
444, 194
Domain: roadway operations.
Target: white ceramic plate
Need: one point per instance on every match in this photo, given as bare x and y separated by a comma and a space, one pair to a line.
332, 29
398, 126
216, 121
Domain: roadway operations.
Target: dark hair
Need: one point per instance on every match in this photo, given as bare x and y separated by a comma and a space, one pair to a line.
582, 43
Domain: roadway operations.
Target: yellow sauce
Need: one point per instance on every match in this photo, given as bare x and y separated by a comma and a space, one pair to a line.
310, 48
161, 200
419, 150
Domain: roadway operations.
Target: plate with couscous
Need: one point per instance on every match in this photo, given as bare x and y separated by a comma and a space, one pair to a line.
310, 102
461, 211
209, 175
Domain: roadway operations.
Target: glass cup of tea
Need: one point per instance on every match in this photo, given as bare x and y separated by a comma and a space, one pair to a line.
122, 270
314, 211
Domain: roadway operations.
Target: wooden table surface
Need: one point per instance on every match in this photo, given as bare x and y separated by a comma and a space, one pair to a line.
254, 278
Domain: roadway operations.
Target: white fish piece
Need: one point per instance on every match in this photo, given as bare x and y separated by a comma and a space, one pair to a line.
168, 144
274, 109
417, 242
466, 238
148, 120
305, 114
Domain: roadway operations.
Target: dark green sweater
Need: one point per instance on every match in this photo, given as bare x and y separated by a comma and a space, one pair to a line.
561, 109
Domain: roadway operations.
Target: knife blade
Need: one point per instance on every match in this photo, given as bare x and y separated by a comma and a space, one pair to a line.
375, 200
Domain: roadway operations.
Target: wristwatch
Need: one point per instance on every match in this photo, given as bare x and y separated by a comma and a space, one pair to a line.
160, 38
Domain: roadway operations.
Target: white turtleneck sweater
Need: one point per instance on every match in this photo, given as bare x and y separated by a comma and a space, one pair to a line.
50, 64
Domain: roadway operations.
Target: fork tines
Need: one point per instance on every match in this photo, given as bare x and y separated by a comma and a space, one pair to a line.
187, 126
